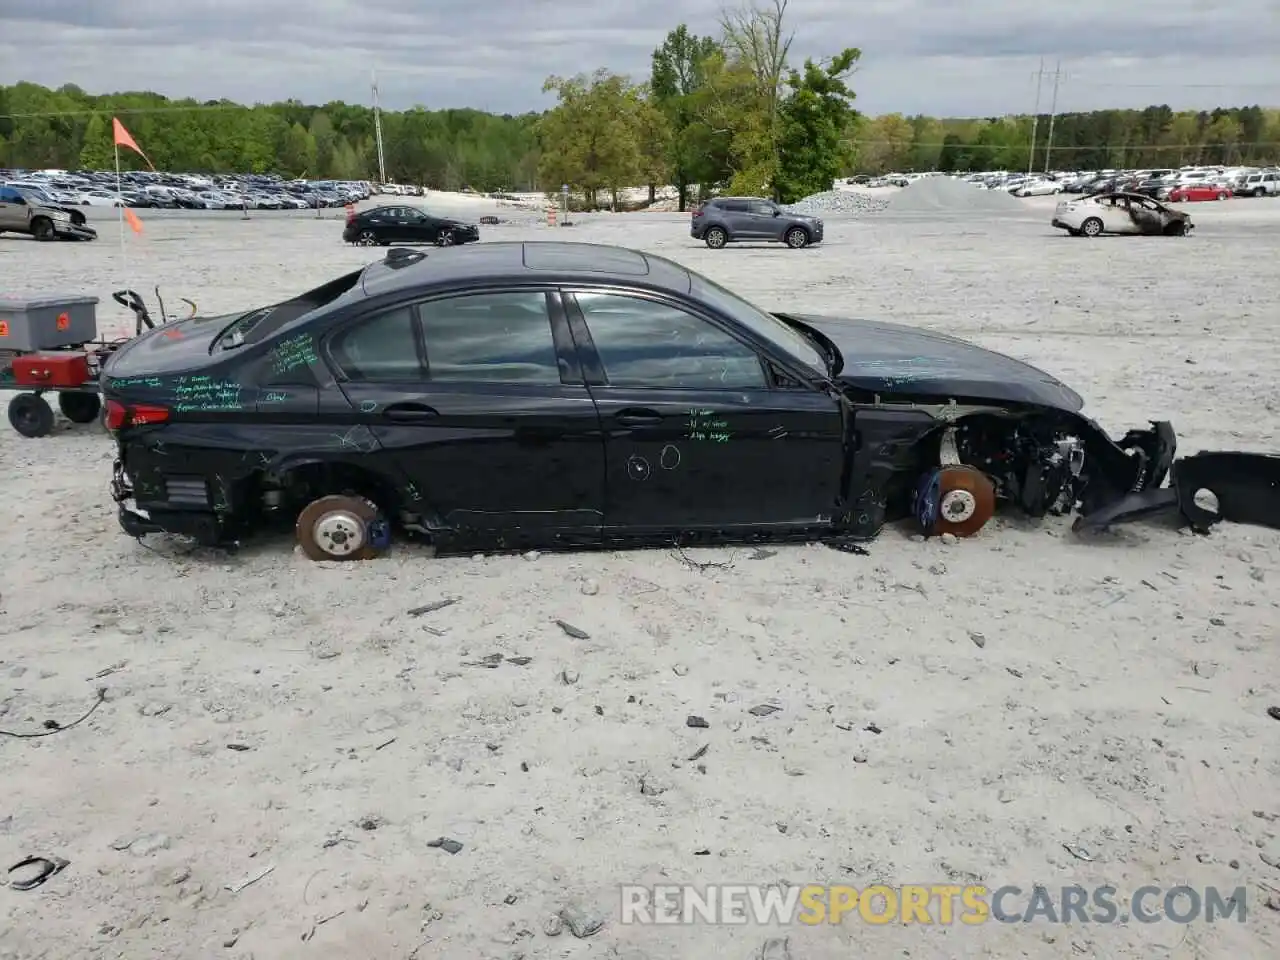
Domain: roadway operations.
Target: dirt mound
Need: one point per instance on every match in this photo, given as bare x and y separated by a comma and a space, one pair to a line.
933, 194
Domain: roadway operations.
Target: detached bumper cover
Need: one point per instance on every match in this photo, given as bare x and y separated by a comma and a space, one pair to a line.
64, 228
1204, 490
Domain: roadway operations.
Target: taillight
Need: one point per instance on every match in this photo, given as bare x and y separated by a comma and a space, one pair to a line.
117, 416
114, 416
697, 213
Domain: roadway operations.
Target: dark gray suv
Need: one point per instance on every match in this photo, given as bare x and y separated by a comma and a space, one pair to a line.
749, 219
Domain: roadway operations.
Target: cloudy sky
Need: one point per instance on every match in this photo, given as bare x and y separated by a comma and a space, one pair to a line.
930, 56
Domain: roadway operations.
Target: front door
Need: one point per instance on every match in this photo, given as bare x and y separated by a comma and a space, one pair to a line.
482, 406
699, 436
420, 227
763, 222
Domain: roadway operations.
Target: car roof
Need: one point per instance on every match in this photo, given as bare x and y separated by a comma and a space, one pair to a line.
523, 262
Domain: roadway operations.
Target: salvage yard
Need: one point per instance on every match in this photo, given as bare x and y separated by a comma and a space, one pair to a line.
1023, 707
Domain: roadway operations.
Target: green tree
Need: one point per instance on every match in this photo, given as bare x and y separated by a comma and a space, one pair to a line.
814, 117
98, 150
677, 76
758, 41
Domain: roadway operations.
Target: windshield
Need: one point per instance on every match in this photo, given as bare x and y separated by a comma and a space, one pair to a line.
34, 195
770, 328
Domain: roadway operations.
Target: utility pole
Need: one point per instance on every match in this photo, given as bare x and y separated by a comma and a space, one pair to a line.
1053, 113
1035, 117
377, 130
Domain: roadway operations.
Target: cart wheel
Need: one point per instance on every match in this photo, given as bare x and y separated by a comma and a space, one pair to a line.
80, 407
342, 528
31, 415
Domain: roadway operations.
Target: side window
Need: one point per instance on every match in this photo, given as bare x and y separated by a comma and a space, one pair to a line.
643, 343
762, 208
9, 196
381, 348
490, 338
734, 206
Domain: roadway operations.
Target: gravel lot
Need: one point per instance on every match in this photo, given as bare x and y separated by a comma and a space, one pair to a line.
1116, 705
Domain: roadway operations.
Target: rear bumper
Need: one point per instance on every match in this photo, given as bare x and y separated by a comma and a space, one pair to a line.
201, 525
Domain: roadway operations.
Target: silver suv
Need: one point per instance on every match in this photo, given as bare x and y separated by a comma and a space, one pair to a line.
25, 211
749, 219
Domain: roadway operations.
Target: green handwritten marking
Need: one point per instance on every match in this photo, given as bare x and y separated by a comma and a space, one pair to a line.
275, 397
705, 425
137, 382
293, 353
204, 394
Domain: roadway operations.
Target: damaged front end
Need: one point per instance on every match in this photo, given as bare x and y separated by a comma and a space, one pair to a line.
1203, 490
1052, 465
1055, 465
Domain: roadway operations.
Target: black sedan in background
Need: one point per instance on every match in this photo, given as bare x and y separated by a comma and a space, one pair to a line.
406, 224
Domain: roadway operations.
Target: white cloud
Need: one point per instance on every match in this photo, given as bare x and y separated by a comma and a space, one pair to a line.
919, 55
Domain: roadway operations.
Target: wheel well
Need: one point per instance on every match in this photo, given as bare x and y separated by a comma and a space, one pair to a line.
305, 482
800, 226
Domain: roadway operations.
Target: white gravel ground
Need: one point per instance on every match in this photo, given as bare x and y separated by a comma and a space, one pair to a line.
1116, 706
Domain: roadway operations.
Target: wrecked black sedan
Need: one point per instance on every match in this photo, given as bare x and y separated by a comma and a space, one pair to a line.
508, 395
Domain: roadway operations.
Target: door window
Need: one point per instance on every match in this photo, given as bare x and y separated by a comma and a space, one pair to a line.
9, 195
490, 338
644, 343
380, 349
762, 208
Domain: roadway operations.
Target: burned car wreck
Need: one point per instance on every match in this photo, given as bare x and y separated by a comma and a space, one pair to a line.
1121, 213
506, 395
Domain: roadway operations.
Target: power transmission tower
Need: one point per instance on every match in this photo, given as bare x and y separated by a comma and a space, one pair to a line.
1035, 117
1053, 113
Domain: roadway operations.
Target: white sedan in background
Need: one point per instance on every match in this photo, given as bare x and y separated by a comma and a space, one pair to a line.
1122, 213
1038, 188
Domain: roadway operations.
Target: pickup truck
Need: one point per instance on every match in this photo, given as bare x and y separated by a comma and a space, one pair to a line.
24, 211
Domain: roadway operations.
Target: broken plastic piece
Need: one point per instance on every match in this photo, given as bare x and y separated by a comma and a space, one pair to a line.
48, 867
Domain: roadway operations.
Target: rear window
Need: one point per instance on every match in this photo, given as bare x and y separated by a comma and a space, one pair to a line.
257, 325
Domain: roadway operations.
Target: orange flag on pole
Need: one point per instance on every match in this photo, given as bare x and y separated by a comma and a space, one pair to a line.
122, 139
131, 218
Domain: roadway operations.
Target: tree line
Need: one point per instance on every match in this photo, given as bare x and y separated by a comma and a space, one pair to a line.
728, 111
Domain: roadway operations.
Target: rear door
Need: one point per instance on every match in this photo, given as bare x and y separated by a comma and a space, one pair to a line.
700, 433
480, 400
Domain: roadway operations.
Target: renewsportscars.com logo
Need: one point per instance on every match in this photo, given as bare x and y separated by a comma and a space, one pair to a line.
931, 904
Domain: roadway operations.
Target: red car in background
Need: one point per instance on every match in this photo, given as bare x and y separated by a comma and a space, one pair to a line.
1191, 192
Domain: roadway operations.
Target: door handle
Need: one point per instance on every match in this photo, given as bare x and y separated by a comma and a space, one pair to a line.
409, 412
639, 417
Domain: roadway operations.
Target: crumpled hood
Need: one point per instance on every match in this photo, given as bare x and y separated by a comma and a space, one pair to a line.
890, 358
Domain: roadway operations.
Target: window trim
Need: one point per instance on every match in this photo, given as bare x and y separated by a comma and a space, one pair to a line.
593, 365
568, 364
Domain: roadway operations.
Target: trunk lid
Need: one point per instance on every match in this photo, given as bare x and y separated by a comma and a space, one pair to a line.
168, 349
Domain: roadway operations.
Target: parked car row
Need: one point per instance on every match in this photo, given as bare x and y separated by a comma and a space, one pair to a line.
90, 188
1188, 184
